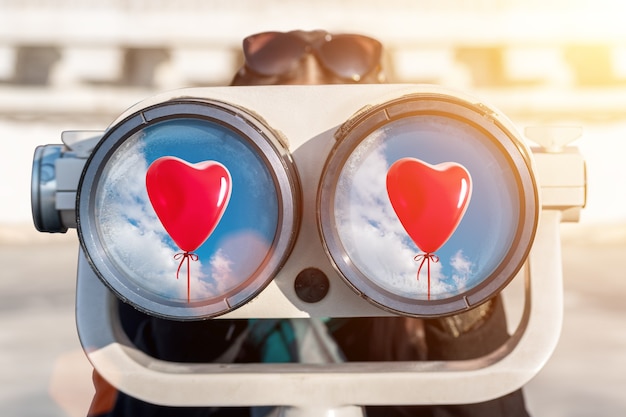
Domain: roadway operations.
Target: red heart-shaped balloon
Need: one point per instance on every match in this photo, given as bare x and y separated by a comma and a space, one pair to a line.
429, 200
189, 199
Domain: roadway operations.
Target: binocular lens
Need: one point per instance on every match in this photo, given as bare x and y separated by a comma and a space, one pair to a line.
190, 209
427, 205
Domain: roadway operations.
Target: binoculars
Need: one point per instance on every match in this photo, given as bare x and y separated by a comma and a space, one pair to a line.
311, 201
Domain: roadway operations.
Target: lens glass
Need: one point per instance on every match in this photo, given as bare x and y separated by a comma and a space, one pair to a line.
374, 238
134, 237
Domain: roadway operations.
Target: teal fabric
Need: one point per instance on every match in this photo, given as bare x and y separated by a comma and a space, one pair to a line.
275, 340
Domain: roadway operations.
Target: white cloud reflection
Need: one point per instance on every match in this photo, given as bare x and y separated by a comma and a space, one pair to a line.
136, 240
375, 239
462, 267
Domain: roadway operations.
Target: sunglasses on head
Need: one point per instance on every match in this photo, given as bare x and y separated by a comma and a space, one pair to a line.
348, 56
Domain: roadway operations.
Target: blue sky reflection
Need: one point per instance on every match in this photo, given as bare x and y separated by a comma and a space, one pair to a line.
135, 239
376, 241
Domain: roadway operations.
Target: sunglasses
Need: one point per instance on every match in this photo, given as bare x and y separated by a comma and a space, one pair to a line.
348, 56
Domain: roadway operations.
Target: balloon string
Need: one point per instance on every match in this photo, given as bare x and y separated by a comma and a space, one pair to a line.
425, 257
188, 256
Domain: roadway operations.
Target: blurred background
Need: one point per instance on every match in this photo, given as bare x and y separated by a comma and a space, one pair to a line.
77, 64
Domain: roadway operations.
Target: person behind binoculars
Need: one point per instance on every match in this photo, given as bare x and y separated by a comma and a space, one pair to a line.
314, 57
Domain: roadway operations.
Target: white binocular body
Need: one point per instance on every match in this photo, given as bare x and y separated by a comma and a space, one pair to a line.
311, 201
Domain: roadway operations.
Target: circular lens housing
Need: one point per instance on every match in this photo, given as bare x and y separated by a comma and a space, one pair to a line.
192, 241
399, 177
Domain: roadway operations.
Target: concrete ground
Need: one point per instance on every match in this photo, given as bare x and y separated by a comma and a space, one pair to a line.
45, 373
